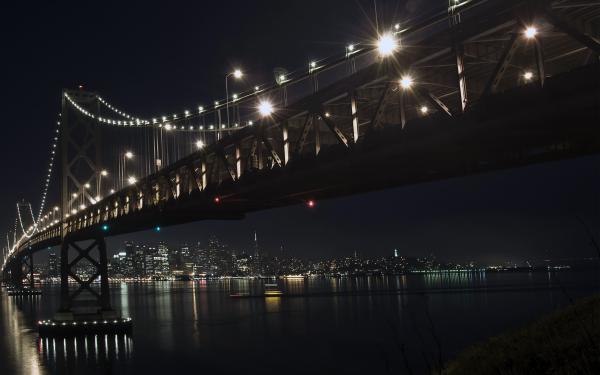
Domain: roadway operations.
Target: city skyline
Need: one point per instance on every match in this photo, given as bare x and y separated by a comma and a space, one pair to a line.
498, 212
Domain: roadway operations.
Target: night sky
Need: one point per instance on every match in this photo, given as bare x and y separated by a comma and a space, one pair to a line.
150, 59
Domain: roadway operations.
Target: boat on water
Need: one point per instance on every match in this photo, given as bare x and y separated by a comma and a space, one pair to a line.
272, 290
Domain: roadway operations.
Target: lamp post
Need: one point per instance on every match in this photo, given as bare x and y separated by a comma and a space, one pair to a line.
126, 155
102, 173
237, 74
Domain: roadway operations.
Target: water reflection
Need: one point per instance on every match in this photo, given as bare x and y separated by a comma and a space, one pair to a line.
17, 351
351, 322
95, 353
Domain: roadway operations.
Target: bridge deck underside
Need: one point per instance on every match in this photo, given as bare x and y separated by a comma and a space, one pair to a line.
362, 132
518, 127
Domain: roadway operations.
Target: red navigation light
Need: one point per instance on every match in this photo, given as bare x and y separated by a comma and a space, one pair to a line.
311, 203
217, 200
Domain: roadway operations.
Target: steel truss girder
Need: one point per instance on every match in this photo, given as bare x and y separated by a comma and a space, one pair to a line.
573, 32
230, 169
262, 138
382, 103
339, 135
304, 134
462, 78
500, 68
434, 101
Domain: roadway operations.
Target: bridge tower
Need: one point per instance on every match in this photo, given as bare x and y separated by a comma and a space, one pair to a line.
80, 151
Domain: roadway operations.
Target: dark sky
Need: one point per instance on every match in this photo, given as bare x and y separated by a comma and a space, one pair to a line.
150, 58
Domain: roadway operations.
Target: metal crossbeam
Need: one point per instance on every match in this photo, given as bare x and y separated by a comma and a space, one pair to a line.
67, 271
264, 139
462, 78
434, 101
384, 99
339, 135
304, 135
500, 68
564, 26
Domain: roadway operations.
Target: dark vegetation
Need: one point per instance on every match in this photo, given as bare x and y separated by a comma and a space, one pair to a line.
565, 342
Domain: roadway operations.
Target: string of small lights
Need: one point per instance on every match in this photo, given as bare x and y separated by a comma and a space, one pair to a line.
33, 226
50, 170
119, 112
163, 123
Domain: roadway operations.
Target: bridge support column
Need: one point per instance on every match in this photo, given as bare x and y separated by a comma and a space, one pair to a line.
85, 300
27, 261
84, 309
16, 274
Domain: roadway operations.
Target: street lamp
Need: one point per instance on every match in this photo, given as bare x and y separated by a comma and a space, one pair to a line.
386, 45
102, 173
530, 32
127, 155
237, 74
265, 108
406, 82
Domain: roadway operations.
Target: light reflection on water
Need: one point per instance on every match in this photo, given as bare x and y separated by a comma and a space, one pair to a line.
93, 352
341, 324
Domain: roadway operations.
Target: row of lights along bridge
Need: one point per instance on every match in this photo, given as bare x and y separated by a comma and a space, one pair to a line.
387, 45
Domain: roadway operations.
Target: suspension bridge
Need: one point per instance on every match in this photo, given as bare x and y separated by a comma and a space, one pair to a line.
481, 86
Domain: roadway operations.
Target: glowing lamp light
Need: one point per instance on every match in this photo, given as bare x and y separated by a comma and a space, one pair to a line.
386, 45
157, 228
530, 32
112, 191
87, 186
424, 109
199, 144
528, 76
129, 154
132, 180
311, 203
217, 200
406, 82
104, 173
265, 108
238, 74
105, 227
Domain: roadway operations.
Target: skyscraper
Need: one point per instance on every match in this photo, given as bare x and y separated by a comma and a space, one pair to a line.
53, 264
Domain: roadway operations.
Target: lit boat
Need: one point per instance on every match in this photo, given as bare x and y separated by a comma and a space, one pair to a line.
272, 290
